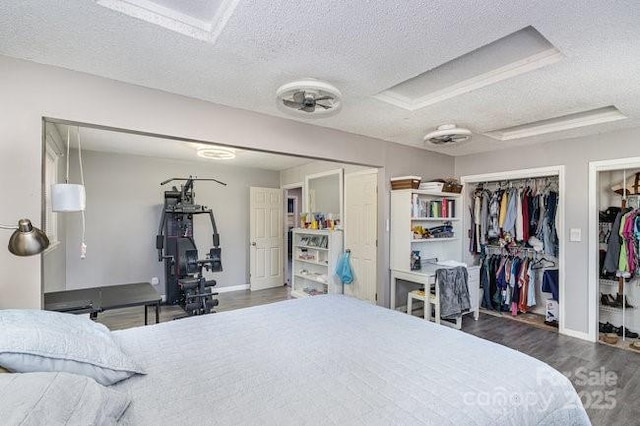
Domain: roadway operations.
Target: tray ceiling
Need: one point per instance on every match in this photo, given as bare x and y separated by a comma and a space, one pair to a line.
363, 48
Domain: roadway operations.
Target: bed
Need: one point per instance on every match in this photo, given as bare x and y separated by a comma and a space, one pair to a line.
334, 360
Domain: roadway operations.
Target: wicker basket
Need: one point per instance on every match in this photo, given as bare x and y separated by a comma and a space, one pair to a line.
453, 188
405, 182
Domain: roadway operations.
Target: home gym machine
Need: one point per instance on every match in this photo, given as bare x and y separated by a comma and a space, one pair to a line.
185, 284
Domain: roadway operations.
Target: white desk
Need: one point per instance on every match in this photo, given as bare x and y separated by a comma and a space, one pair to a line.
427, 277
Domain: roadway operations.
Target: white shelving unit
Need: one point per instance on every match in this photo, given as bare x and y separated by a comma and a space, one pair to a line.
411, 208
315, 254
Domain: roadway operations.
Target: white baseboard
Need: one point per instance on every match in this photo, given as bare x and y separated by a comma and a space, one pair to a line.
577, 334
231, 288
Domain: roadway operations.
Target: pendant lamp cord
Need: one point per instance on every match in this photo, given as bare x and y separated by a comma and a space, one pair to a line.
66, 178
83, 246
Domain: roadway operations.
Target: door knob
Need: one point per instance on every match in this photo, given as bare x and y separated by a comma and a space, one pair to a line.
253, 244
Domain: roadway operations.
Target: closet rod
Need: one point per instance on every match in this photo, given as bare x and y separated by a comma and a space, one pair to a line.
501, 182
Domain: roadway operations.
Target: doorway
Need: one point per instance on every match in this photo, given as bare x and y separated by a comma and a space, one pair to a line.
613, 290
293, 195
471, 183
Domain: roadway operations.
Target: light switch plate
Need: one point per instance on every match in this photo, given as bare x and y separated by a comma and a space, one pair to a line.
575, 234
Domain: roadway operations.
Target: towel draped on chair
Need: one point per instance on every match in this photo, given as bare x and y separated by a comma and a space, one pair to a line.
454, 291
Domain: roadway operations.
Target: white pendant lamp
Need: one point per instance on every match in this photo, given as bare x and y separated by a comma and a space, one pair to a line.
69, 197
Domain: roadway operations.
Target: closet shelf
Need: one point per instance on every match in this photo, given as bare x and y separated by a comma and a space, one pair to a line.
312, 247
312, 261
313, 277
430, 240
442, 219
614, 310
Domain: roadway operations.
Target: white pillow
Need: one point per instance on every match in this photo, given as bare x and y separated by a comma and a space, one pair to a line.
58, 399
34, 340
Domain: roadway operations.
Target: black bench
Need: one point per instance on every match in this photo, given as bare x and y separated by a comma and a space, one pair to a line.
100, 299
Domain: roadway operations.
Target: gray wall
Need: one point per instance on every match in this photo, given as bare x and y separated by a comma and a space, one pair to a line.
32, 91
575, 154
124, 202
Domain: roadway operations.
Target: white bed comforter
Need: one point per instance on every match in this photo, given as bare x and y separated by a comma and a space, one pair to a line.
338, 361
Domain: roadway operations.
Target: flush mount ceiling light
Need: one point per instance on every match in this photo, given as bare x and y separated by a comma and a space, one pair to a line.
448, 134
557, 124
309, 99
216, 153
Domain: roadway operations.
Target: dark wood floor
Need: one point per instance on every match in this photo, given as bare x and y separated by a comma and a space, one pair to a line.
574, 357
578, 360
119, 319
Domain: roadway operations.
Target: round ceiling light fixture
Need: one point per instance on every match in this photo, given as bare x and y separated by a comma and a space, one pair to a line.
309, 98
448, 134
217, 153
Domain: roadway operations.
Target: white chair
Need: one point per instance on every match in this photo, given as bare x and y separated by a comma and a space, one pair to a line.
431, 300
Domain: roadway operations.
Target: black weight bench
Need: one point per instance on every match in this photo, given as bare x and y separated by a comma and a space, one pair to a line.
100, 299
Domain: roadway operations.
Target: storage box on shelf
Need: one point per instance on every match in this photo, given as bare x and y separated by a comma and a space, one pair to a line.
314, 258
405, 182
415, 209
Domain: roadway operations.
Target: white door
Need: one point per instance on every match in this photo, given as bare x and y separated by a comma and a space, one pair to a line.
360, 232
266, 238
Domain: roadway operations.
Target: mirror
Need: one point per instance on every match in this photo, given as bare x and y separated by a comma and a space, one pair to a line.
324, 193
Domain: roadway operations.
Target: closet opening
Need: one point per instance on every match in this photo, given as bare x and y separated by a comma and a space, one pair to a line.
514, 222
614, 275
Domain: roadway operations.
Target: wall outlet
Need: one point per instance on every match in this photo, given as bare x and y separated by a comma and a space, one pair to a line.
155, 281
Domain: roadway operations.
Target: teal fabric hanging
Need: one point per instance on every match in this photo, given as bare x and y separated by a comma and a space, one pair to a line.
343, 269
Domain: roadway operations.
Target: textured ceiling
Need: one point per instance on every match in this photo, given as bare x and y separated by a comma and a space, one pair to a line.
127, 143
363, 48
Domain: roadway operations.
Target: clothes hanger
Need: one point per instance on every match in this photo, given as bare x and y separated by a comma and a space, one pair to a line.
540, 262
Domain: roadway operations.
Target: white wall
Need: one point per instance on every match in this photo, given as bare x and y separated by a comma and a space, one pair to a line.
31, 91
297, 174
324, 194
575, 154
53, 259
124, 204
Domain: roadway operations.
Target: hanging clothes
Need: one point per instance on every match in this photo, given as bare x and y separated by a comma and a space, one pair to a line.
508, 283
614, 244
519, 217
514, 214
494, 213
504, 203
510, 221
525, 214
484, 217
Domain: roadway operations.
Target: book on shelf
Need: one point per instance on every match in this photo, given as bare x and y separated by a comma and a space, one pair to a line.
442, 208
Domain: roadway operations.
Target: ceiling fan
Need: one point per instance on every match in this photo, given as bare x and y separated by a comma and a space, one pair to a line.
448, 134
308, 101
309, 98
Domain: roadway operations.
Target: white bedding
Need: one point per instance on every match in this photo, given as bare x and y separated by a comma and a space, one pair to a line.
335, 360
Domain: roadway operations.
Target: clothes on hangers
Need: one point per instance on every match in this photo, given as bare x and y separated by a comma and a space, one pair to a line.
623, 252
508, 282
514, 214
614, 245
550, 283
